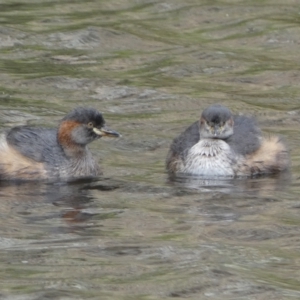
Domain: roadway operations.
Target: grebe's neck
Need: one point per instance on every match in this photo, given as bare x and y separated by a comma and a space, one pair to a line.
70, 147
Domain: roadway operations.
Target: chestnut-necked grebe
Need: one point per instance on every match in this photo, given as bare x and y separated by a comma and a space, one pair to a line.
224, 145
32, 153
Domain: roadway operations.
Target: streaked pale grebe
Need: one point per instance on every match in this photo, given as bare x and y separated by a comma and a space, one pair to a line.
223, 145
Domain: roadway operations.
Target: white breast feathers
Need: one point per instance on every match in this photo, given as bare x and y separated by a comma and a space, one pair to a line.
210, 158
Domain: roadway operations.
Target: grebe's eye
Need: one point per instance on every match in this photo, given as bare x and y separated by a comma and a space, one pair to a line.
90, 125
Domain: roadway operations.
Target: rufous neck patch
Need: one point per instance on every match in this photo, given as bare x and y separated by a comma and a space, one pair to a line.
65, 139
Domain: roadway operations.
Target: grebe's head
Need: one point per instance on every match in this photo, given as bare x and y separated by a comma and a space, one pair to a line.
216, 122
82, 126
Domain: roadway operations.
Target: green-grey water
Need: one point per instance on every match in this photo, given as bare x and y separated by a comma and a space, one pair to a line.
151, 67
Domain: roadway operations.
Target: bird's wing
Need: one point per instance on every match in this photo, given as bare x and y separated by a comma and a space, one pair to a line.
33, 142
246, 136
186, 140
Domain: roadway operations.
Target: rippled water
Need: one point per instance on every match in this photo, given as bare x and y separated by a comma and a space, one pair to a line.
150, 67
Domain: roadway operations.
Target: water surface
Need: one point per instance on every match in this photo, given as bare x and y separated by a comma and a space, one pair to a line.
151, 67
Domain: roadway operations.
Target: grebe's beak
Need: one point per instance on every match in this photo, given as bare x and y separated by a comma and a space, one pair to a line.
103, 131
217, 130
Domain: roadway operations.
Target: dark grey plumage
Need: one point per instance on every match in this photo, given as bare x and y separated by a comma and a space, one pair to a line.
85, 115
216, 114
246, 136
39, 144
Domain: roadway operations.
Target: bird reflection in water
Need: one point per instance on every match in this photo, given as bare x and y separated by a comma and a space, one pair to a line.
74, 200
